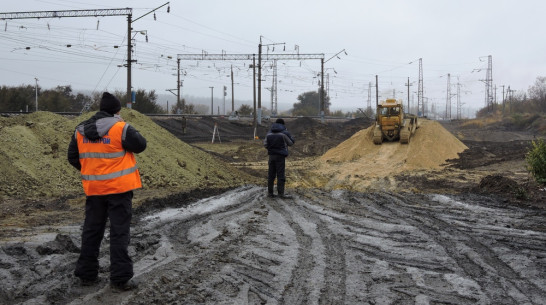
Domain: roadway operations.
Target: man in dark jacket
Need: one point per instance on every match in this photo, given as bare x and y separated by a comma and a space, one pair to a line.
102, 149
277, 141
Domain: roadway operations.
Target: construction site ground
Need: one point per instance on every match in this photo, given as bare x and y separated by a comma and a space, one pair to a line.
452, 218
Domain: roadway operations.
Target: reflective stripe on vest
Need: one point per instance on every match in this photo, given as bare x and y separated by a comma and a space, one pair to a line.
110, 176
102, 155
124, 132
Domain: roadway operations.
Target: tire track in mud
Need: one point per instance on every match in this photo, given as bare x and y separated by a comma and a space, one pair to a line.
319, 275
207, 270
372, 239
284, 255
497, 280
406, 245
343, 248
336, 247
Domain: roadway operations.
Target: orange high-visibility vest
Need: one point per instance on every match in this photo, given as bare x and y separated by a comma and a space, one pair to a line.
106, 167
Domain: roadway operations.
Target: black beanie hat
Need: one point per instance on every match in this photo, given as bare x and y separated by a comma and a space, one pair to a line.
109, 103
280, 121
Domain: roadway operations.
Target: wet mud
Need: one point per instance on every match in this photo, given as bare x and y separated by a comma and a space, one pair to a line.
337, 247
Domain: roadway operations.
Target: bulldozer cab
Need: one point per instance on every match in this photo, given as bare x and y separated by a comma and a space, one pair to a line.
389, 111
390, 107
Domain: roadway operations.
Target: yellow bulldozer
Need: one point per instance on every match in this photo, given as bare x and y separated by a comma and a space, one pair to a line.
392, 124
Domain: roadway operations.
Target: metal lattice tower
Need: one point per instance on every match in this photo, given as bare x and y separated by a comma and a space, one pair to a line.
420, 103
369, 95
448, 98
458, 101
274, 89
489, 83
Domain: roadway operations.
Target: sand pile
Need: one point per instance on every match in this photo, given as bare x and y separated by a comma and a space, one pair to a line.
357, 163
33, 158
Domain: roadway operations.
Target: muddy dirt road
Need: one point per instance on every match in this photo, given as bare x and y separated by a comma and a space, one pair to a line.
321, 247
472, 232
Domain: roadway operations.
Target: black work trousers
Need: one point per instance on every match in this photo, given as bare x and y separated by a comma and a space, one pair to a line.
118, 208
276, 170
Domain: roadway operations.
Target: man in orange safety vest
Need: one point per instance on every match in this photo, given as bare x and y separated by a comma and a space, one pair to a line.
102, 148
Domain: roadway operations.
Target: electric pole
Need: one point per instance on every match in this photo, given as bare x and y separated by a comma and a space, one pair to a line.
489, 84
448, 98
178, 86
502, 99
274, 89
369, 95
254, 87
321, 96
260, 45
458, 101
259, 118
211, 100
232, 94
408, 85
129, 61
36, 79
131, 97
420, 101
376, 92
225, 93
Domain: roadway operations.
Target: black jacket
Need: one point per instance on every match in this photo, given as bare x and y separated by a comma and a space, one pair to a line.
96, 127
277, 140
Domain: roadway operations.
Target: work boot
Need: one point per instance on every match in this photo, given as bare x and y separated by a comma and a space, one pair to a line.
123, 286
271, 195
285, 196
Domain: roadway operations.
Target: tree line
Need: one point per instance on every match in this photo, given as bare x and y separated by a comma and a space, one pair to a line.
531, 102
23, 98
64, 99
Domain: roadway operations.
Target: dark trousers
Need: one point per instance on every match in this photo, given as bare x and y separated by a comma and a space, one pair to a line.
98, 209
276, 169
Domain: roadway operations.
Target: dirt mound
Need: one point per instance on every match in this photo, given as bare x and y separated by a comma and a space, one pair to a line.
357, 163
527, 193
497, 184
34, 166
484, 153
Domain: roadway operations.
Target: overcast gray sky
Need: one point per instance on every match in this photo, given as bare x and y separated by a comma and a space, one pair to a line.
384, 38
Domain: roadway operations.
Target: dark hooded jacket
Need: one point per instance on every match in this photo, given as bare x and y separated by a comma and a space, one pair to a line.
278, 139
95, 128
